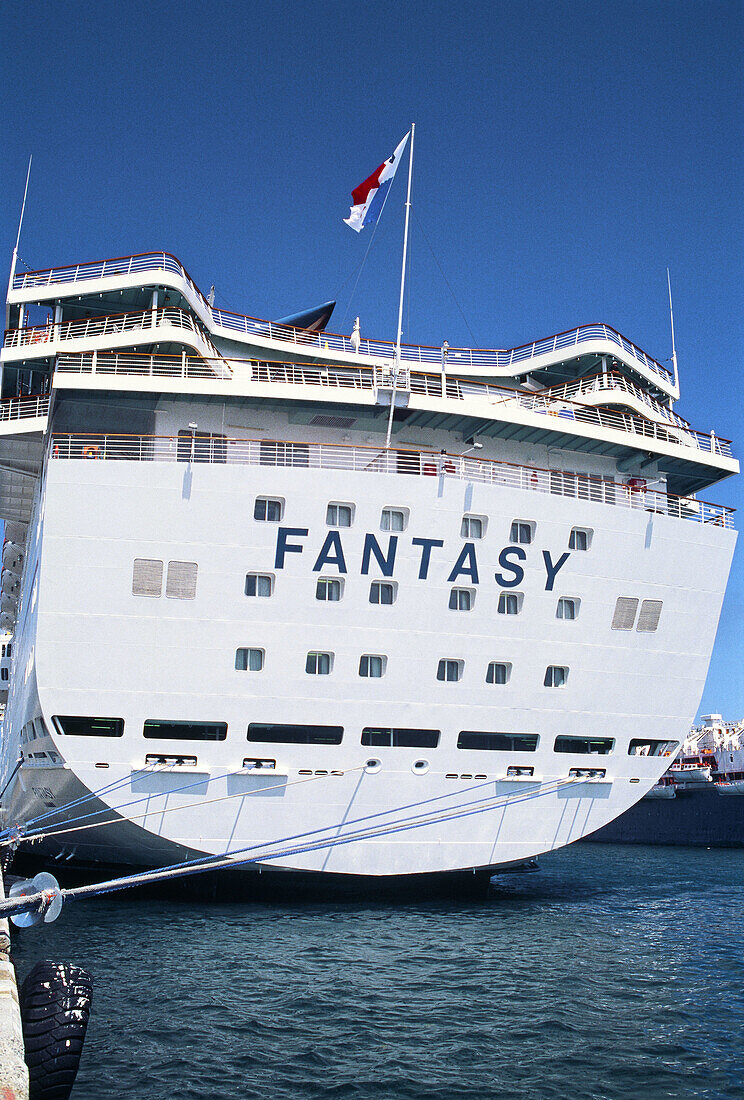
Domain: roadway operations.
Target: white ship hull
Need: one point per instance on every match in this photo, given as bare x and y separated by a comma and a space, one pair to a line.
508, 614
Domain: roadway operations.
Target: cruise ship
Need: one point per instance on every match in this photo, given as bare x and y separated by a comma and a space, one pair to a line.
294, 597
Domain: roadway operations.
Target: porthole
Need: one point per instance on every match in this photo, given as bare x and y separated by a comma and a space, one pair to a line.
420, 767
372, 765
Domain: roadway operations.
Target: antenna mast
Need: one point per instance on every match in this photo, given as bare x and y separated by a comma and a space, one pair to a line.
396, 366
671, 318
14, 261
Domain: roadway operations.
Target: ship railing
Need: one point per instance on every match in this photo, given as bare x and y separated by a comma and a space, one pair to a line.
544, 402
112, 324
21, 408
218, 449
410, 353
108, 325
613, 381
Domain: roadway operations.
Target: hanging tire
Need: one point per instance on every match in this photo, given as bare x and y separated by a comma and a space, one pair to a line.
55, 1007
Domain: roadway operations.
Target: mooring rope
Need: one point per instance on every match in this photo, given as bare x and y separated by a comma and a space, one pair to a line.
202, 865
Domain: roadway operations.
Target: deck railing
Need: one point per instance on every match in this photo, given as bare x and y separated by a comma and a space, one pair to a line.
613, 381
323, 341
22, 408
544, 402
219, 449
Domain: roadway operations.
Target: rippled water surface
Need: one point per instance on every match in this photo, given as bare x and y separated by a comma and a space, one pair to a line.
611, 972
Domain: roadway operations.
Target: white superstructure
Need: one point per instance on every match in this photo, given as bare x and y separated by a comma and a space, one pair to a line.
240, 618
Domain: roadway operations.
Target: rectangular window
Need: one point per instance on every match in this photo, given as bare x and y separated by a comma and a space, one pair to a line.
497, 742
372, 665
648, 620
339, 515
580, 538
449, 670
568, 608
400, 738
196, 446
473, 527
268, 509
259, 584
522, 531
319, 664
3, 674
147, 577
249, 660
383, 592
329, 589
597, 746
462, 599
510, 603
77, 726
646, 746
185, 731
180, 582
393, 519
625, 613
498, 672
295, 735
273, 453
556, 676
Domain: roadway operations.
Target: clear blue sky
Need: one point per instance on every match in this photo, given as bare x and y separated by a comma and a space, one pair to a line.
566, 153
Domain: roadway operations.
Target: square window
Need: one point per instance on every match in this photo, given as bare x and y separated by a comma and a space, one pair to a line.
372, 665
510, 603
498, 672
383, 592
450, 670
319, 664
580, 538
259, 584
249, 660
394, 519
462, 599
473, 527
268, 509
339, 515
522, 532
555, 676
568, 608
329, 589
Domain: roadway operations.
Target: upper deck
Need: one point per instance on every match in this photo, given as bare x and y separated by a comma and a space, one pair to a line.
548, 361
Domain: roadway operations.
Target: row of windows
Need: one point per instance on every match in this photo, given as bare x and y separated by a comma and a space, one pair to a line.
181, 577
339, 514
373, 736
331, 590
374, 666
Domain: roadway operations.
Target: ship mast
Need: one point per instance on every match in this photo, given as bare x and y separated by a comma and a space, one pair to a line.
396, 366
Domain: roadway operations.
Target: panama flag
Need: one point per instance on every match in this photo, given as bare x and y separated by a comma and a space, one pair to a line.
369, 197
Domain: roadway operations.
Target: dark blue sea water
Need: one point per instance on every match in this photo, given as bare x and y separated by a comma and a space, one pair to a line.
612, 972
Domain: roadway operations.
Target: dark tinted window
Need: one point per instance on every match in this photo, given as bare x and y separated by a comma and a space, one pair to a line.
77, 726
186, 731
596, 746
497, 742
295, 735
401, 738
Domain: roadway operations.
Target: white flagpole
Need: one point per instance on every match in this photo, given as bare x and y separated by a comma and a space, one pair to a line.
402, 289
671, 317
14, 261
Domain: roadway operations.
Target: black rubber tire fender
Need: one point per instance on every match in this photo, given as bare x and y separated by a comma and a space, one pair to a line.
55, 1008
